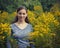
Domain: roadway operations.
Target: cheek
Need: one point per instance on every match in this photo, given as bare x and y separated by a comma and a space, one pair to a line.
22, 17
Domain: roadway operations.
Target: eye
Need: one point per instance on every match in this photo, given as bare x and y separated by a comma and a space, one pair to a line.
23, 13
20, 13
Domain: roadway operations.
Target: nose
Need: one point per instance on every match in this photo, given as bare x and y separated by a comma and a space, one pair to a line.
21, 15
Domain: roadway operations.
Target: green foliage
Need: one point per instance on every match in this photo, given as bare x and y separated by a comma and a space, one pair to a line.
12, 5
47, 4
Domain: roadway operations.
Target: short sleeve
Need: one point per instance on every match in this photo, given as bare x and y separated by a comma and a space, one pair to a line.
31, 28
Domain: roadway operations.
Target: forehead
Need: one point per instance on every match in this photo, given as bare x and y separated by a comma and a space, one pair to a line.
22, 11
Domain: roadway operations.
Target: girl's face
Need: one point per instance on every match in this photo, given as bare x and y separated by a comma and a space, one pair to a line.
22, 14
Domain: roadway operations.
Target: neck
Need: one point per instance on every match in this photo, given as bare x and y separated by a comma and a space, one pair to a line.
21, 22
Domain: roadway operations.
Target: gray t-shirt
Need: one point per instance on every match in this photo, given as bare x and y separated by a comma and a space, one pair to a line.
21, 35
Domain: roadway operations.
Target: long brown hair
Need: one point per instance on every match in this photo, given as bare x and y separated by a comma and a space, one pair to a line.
16, 18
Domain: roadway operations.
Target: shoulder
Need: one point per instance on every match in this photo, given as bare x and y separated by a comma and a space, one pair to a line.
12, 25
30, 25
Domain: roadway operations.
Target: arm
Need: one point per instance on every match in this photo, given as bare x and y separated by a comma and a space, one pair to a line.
8, 42
32, 41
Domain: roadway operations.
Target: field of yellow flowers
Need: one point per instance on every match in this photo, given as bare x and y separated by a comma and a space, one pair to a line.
46, 27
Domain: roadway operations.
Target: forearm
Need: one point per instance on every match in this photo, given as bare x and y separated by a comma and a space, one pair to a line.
8, 44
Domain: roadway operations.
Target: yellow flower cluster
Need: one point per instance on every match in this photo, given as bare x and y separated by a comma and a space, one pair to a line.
5, 30
37, 7
42, 24
31, 16
6, 17
3, 16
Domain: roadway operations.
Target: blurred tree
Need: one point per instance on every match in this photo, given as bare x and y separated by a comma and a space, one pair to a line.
10, 5
47, 4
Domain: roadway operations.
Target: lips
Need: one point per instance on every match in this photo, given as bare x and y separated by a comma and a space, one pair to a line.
20, 17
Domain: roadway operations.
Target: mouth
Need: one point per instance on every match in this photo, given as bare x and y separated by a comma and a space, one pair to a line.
20, 17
